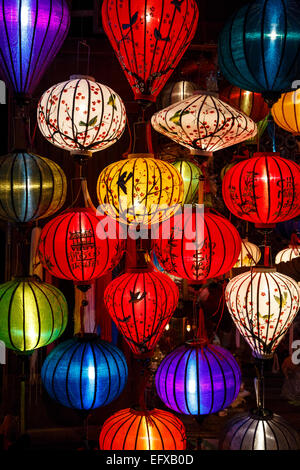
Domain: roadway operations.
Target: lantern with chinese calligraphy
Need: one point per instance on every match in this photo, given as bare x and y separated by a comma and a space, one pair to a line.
252, 104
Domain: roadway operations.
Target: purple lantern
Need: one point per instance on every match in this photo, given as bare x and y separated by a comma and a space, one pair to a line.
31, 34
198, 378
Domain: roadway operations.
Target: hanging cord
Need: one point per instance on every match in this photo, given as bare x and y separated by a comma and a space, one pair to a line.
144, 377
129, 149
271, 131
259, 384
85, 44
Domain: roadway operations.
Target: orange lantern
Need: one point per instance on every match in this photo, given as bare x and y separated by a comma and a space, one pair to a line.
286, 112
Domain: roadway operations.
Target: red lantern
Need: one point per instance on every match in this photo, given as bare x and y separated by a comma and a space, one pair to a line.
188, 254
149, 39
141, 303
252, 104
264, 189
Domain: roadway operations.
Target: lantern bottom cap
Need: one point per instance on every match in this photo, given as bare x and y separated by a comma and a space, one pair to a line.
83, 153
144, 98
200, 153
262, 356
78, 76
266, 226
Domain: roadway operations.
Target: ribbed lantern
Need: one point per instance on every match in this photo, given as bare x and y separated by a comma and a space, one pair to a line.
177, 91
141, 303
286, 112
31, 34
249, 255
140, 190
32, 313
252, 104
264, 189
81, 115
191, 174
287, 254
261, 127
259, 430
263, 303
84, 373
198, 379
259, 47
31, 187
131, 429
149, 38
199, 253
204, 123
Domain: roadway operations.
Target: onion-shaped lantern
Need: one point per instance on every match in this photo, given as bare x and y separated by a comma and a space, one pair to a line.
84, 373
81, 115
177, 91
141, 303
249, 255
287, 254
132, 429
286, 112
195, 254
203, 123
32, 313
259, 430
149, 39
140, 190
263, 303
258, 47
264, 189
198, 379
31, 34
31, 187
252, 104
190, 173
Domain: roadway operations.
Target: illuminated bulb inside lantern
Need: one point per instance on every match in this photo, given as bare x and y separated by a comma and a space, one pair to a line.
24, 15
191, 386
91, 372
188, 327
167, 327
274, 34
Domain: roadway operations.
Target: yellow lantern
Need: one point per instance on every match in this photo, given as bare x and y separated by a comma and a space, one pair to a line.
286, 112
249, 255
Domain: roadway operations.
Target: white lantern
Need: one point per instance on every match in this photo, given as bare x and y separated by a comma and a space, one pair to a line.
204, 124
81, 115
287, 254
262, 303
249, 255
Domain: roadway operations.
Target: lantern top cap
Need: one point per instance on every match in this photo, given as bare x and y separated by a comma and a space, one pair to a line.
197, 343
86, 77
141, 412
263, 269
266, 154
130, 156
86, 337
261, 414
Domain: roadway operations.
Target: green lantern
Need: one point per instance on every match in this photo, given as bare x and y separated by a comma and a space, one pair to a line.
191, 174
261, 127
32, 313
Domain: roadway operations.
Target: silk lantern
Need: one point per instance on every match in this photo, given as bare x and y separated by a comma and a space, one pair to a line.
31, 34
286, 112
287, 254
263, 304
249, 255
84, 373
191, 175
177, 91
31, 187
204, 124
81, 115
32, 313
261, 127
198, 379
264, 189
132, 429
149, 39
252, 104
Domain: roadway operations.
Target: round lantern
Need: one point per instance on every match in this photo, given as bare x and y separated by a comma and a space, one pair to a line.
287, 254
31, 34
198, 379
73, 246
249, 255
132, 429
264, 189
140, 190
259, 430
204, 123
195, 254
259, 45
286, 112
141, 303
31, 187
252, 104
81, 115
177, 91
32, 313
262, 303
190, 173
84, 373
149, 39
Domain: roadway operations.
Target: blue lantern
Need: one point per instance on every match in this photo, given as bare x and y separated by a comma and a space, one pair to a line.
85, 373
259, 47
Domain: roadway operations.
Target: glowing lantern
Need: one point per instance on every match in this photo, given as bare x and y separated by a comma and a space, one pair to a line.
252, 104
263, 303
31, 187
258, 47
191, 174
264, 189
287, 254
261, 127
286, 112
249, 255
32, 313
31, 34
198, 379
141, 303
140, 190
81, 115
177, 91
84, 373
149, 39
190, 253
203, 123
131, 429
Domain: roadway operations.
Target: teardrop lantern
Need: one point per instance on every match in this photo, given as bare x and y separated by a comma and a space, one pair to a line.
149, 39
287, 254
252, 104
264, 189
132, 429
84, 373
249, 255
263, 303
191, 174
286, 112
31, 34
32, 313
